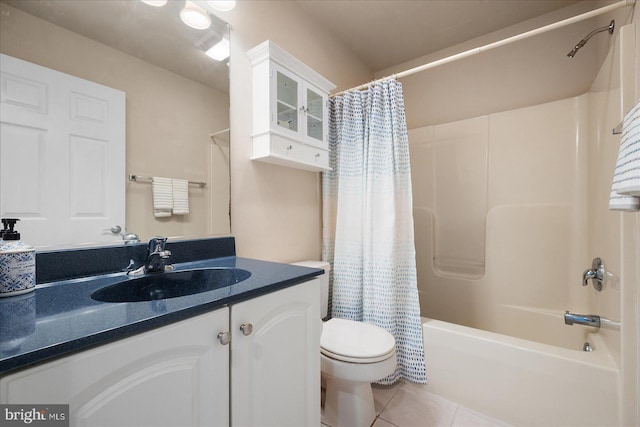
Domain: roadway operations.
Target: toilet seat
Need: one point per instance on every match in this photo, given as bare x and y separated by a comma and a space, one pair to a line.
355, 342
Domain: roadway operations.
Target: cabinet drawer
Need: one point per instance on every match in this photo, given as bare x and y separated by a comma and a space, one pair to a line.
302, 153
280, 150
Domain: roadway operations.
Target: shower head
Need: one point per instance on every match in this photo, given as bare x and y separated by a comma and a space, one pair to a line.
584, 41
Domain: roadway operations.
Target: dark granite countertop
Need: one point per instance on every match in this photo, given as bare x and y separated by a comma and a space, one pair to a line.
60, 317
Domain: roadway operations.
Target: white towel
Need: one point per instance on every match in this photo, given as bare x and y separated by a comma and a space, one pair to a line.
625, 189
180, 196
162, 196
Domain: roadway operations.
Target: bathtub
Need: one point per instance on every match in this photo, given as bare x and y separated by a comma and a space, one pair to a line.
523, 382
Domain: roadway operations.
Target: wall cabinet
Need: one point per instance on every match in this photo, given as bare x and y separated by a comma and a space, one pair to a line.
187, 374
290, 114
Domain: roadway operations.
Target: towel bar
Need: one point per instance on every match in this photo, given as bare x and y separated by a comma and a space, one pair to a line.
133, 177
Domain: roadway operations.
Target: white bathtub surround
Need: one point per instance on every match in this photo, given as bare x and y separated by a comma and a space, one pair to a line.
368, 223
625, 189
518, 208
450, 171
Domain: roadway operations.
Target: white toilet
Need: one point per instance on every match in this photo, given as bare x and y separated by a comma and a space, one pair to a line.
353, 355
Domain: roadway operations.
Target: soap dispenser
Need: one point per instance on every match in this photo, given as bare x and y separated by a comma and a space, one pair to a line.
17, 262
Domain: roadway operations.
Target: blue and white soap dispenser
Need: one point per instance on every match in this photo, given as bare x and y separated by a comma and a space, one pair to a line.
17, 262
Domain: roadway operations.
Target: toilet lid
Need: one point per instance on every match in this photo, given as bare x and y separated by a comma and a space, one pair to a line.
355, 341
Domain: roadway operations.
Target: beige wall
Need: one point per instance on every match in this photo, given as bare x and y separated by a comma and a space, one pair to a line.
528, 72
276, 211
169, 119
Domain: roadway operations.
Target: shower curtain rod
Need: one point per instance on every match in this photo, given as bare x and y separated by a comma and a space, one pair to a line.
493, 45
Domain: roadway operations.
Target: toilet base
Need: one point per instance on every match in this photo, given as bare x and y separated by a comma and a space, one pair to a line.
348, 404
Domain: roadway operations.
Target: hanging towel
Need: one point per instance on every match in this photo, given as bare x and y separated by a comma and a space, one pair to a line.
180, 196
162, 196
625, 189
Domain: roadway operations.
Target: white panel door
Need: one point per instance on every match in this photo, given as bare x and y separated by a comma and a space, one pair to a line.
62, 155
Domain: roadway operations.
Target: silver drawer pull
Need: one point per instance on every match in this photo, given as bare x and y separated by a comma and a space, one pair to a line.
289, 147
246, 328
224, 337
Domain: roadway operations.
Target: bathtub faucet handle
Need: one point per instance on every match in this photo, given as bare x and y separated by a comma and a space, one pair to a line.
588, 274
595, 274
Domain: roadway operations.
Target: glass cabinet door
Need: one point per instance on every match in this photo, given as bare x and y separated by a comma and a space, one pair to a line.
287, 101
315, 103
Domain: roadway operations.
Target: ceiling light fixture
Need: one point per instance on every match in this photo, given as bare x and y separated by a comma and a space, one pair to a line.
219, 51
222, 5
195, 16
156, 3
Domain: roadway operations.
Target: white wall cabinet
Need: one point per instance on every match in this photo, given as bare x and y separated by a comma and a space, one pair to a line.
182, 374
290, 114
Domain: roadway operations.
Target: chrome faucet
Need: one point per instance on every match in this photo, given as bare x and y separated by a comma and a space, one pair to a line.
596, 274
157, 256
581, 319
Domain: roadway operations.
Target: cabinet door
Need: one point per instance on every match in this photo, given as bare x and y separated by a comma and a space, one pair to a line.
176, 375
275, 369
315, 116
286, 93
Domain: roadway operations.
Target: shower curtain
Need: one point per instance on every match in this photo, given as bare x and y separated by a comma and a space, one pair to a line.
368, 222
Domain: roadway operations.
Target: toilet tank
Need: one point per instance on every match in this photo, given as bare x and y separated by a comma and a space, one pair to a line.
324, 283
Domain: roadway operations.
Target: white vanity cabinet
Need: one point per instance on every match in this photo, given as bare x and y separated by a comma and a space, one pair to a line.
290, 114
185, 374
171, 376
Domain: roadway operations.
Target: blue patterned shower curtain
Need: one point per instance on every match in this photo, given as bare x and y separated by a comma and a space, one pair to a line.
368, 222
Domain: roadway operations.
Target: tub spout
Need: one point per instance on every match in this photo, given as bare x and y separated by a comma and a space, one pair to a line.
581, 319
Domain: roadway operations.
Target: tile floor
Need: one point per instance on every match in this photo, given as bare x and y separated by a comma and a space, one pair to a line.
411, 405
